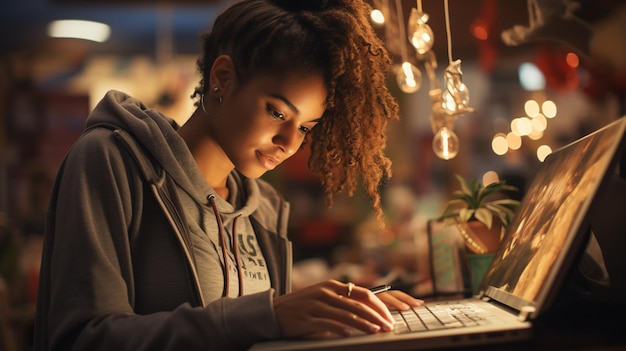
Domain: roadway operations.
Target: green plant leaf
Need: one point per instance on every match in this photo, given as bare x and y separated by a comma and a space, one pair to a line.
477, 190
496, 187
465, 214
484, 216
490, 189
504, 213
451, 209
509, 203
463, 184
495, 208
459, 195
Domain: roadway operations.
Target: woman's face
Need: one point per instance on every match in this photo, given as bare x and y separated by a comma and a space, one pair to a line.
264, 122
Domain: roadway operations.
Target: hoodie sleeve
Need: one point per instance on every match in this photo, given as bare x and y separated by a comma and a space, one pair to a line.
90, 290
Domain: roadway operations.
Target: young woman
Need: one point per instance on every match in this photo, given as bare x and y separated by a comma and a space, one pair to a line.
164, 238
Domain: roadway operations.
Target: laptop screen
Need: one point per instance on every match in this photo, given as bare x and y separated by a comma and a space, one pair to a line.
542, 240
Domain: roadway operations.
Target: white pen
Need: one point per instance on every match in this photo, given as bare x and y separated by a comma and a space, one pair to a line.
380, 288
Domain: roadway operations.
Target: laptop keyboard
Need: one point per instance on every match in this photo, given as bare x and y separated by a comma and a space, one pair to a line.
441, 316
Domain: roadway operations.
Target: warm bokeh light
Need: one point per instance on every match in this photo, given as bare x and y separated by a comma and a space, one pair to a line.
539, 123
535, 135
521, 126
533, 125
531, 107
479, 30
514, 127
543, 151
549, 109
499, 144
514, 141
490, 177
78, 29
572, 60
377, 16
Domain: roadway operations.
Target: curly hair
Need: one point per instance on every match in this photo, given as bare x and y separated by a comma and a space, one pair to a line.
332, 39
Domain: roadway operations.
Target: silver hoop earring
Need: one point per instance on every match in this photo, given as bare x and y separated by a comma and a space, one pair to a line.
202, 103
221, 99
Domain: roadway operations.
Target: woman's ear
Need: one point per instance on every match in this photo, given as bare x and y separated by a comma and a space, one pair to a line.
222, 73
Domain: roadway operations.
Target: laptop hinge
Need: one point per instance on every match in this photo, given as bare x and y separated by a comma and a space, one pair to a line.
525, 312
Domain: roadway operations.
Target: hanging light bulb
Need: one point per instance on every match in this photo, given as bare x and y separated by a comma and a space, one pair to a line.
446, 143
455, 98
409, 77
421, 35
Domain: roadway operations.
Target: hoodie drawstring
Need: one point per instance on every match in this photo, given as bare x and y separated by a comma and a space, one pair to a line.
237, 259
235, 247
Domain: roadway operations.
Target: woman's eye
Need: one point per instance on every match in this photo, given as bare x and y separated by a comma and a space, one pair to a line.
275, 113
304, 130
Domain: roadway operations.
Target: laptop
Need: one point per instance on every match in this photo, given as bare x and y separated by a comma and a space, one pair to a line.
540, 247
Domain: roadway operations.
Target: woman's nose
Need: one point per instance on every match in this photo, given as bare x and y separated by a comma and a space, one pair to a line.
288, 138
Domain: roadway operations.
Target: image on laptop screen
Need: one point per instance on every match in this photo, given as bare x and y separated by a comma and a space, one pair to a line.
553, 209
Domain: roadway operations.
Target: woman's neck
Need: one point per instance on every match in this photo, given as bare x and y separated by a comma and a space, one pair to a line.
211, 160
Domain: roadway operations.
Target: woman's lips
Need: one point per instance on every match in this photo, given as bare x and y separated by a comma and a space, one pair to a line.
267, 161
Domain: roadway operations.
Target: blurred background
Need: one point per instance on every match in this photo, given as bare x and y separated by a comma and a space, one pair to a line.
557, 67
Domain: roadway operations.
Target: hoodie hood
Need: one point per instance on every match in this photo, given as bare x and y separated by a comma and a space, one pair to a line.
209, 222
157, 134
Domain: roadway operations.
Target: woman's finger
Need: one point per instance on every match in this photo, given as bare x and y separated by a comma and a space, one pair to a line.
367, 298
399, 300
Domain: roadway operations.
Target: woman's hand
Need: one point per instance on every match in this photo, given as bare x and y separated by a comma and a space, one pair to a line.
331, 309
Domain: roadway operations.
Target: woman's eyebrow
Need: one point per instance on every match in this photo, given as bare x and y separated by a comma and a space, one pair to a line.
286, 101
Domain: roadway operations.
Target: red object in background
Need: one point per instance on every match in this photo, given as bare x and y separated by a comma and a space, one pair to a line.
552, 62
599, 83
319, 233
486, 31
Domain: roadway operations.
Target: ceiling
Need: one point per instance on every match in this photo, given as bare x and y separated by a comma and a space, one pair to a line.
135, 24
151, 26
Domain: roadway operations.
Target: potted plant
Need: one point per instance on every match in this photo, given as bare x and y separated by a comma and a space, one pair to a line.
481, 213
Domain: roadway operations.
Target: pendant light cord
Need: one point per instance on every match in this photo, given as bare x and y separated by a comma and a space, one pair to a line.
449, 36
402, 30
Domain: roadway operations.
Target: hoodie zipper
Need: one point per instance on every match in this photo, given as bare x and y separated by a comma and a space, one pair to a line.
180, 229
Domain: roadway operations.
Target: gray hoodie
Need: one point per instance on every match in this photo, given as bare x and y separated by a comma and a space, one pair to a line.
136, 244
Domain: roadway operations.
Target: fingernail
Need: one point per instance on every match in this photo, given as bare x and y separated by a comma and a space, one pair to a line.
374, 328
388, 327
347, 332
